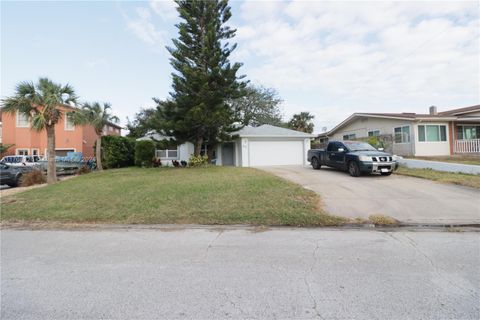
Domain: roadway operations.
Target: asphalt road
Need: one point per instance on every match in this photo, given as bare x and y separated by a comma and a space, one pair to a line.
238, 273
407, 199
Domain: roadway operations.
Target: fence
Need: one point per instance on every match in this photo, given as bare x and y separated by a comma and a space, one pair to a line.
467, 146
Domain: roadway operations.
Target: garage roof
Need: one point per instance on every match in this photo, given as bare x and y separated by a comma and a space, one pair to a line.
269, 131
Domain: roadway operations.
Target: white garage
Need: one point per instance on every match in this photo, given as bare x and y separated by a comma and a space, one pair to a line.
265, 145
275, 152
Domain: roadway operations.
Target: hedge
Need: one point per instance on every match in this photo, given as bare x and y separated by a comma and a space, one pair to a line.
144, 153
117, 152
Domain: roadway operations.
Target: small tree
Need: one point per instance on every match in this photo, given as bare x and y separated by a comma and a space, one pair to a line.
98, 117
302, 122
42, 103
258, 106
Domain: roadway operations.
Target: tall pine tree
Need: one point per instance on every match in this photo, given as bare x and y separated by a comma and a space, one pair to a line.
204, 80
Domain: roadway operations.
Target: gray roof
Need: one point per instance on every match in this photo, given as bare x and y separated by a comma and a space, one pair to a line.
267, 130
153, 135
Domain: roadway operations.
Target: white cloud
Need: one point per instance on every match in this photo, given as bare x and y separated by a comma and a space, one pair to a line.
363, 56
166, 9
143, 27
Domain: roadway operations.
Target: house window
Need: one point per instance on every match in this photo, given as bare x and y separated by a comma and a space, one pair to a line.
432, 133
21, 152
350, 136
69, 126
22, 120
402, 134
465, 132
35, 152
374, 133
167, 154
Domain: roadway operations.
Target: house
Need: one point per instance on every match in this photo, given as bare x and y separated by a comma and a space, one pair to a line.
448, 132
264, 145
16, 130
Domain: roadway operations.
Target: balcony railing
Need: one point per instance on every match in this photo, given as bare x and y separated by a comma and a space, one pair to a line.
467, 146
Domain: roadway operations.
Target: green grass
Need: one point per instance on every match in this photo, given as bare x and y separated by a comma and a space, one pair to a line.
463, 159
215, 195
468, 180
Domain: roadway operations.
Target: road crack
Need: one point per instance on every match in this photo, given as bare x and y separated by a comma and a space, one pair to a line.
307, 284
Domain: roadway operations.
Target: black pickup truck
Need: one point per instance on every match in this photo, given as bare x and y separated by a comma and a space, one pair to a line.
353, 156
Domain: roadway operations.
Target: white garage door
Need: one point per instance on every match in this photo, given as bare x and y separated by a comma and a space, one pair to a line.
271, 153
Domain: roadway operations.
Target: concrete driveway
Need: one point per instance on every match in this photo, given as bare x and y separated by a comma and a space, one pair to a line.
403, 198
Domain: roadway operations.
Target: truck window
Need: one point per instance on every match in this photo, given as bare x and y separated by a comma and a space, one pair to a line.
331, 146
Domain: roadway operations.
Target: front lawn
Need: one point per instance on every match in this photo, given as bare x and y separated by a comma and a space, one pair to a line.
216, 195
469, 180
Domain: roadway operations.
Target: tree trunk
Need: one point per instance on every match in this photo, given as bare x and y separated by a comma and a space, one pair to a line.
51, 168
98, 153
210, 150
198, 146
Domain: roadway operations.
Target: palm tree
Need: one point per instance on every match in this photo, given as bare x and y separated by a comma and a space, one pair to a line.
302, 122
42, 103
97, 116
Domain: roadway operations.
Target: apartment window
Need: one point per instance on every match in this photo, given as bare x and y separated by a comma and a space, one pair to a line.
374, 133
402, 134
432, 133
467, 132
21, 152
22, 120
69, 126
350, 136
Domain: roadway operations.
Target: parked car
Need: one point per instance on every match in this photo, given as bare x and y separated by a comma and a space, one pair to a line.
356, 157
21, 160
12, 175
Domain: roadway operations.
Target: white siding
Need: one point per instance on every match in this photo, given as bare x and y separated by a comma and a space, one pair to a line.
428, 148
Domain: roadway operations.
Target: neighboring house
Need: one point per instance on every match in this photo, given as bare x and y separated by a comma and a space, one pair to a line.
17, 131
265, 145
449, 132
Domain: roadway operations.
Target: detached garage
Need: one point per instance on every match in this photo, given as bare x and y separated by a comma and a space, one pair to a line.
265, 145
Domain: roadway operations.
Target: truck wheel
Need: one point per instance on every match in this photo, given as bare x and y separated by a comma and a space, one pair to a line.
353, 169
316, 164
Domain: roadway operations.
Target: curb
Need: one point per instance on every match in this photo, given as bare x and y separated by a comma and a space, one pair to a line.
473, 227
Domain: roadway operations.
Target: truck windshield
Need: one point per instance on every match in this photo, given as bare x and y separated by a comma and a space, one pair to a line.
359, 146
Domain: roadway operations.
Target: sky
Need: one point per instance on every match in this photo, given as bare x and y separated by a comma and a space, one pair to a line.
330, 58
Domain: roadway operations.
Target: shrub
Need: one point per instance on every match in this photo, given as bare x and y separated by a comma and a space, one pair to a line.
32, 178
144, 153
117, 152
198, 161
84, 170
156, 163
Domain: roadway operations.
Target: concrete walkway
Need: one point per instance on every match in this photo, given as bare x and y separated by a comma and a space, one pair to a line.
439, 166
237, 274
407, 199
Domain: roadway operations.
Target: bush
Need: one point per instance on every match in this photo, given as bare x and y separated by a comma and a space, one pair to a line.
117, 152
32, 178
144, 153
198, 161
84, 170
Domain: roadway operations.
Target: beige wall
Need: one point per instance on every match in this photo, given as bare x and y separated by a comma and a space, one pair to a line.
361, 126
440, 148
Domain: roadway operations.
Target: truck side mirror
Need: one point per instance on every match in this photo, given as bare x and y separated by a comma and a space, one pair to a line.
341, 150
